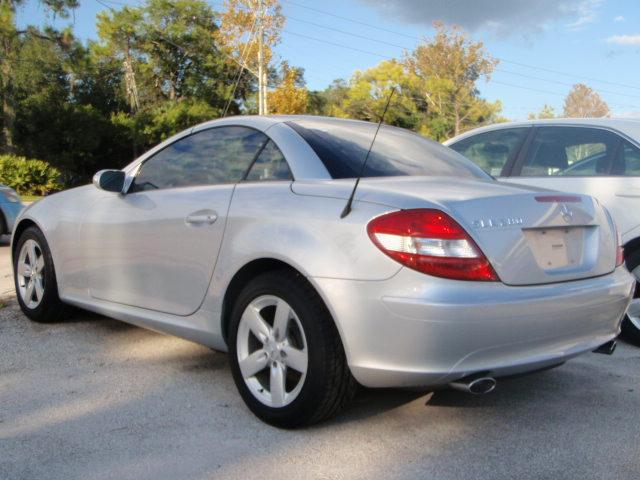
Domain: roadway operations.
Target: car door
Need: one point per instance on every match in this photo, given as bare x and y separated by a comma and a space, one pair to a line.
493, 151
156, 246
588, 160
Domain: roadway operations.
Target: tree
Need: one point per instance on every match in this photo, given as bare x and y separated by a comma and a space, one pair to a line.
62, 113
171, 49
418, 103
449, 66
172, 72
121, 38
9, 46
325, 102
291, 96
368, 91
583, 102
239, 30
545, 112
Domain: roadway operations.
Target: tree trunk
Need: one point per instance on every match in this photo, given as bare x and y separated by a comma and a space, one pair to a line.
265, 105
8, 101
172, 90
456, 128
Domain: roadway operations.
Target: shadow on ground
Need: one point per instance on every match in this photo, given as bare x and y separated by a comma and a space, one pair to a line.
94, 398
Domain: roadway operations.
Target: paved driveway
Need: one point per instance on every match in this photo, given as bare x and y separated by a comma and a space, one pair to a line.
92, 398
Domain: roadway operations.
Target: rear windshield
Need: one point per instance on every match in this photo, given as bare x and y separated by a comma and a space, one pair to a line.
342, 146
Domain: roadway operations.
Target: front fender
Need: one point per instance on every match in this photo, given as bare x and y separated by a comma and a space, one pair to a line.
59, 217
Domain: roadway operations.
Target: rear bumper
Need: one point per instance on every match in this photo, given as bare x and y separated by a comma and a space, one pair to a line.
414, 330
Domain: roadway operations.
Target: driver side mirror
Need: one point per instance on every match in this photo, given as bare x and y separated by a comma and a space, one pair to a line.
109, 180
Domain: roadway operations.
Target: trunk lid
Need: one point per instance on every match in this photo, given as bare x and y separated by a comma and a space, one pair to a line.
531, 236
534, 238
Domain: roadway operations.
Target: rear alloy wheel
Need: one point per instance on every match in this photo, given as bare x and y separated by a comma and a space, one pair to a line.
286, 356
272, 351
631, 322
35, 278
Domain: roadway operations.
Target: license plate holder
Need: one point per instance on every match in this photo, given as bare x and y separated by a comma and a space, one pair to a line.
556, 248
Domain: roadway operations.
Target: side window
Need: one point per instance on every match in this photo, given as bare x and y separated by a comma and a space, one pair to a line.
492, 150
270, 165
628, 161
209, 157
570, 151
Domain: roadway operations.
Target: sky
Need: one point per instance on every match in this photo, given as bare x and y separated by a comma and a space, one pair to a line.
544, 46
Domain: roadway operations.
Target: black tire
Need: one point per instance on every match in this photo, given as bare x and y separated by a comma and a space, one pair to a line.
50, 309
629, 330
328, 384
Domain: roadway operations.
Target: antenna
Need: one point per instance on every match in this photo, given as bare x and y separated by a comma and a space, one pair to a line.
347, 207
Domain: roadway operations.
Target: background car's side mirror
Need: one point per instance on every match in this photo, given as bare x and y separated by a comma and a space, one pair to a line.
109, 180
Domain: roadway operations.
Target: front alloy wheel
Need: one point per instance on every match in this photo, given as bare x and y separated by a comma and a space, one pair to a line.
30, 278
35, 277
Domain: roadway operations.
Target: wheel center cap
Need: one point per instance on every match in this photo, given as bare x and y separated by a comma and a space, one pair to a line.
272, 350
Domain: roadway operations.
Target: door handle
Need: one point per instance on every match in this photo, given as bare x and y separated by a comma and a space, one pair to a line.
202, 217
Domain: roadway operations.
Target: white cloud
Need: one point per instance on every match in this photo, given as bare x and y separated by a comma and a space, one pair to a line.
624, 39
587, 13
619, 18
501, 16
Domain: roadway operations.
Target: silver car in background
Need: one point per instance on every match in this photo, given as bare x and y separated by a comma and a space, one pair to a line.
230, 235
10, 208
598, 157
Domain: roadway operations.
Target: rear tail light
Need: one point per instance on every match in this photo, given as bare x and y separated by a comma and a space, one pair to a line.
431, 242
619, 246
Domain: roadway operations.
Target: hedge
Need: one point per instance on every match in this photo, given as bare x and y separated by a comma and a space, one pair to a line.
29, 176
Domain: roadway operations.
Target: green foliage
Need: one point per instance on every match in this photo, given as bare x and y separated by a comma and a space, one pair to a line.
291, 97
73, 106
448, 66
172, 51
151, 126
427, 105
161, 66
368, 92
29, 176
545, 112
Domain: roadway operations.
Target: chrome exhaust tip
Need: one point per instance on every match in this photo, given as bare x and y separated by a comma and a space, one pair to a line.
607, 348
475, 385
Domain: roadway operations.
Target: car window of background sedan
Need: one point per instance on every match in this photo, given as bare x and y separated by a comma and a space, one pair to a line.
342, 147
570, 151
628, 161
209, 157
491, 150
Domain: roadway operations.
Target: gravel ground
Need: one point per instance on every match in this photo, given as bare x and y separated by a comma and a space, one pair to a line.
92, 398
6, 278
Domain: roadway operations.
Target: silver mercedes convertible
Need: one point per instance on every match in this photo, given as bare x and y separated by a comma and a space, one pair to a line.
240, 234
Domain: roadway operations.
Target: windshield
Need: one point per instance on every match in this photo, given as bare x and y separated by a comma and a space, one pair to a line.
342, 146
